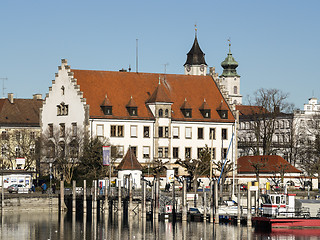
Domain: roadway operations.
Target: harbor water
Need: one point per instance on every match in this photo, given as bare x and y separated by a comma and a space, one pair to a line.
53, 225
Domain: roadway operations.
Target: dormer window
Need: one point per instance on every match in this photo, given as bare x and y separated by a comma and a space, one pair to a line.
133, 111
107, 110
206, 113
223, 110
186, 109
166, 114
205, 110
106, 106
132, 107
223, 114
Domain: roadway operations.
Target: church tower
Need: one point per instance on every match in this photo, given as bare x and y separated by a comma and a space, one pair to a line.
230, 79
195, 64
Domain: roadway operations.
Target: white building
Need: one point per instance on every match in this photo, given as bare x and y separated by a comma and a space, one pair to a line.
164, 117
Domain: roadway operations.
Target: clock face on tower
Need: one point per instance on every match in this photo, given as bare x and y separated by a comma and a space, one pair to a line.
188, 68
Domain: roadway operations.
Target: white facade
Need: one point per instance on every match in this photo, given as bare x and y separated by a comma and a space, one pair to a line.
199, 70
232, 86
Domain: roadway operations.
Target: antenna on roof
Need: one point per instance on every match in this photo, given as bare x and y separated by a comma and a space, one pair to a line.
137, 55
3, 88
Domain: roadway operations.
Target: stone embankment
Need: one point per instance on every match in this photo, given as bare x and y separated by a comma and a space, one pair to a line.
30, 202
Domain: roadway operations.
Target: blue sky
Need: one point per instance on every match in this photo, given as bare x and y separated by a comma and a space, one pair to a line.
276, 43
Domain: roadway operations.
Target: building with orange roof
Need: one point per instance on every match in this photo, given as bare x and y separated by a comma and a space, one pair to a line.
158, 116
271, 168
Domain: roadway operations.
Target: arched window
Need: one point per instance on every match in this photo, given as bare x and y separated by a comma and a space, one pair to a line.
160, 113
166, 113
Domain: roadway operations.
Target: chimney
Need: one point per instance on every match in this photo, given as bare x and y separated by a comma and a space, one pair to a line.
37, 96
10, 97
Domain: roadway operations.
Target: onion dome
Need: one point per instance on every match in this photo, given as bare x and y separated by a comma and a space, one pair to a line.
229, 66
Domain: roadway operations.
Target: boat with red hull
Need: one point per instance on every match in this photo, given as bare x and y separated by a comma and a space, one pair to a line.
287, 222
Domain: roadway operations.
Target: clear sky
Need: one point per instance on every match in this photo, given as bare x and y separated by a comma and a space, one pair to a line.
276, 43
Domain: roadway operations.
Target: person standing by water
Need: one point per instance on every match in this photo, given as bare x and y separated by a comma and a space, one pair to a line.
54, 188
44, 188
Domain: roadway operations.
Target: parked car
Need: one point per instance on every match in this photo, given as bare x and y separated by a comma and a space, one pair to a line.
15, 188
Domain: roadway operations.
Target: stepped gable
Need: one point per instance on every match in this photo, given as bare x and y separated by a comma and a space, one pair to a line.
272, 163
129, 162
120, 86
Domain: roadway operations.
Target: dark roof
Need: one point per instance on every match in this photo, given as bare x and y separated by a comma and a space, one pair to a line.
120, 86
250, 110
159, 95
129, 162
195, 56
22, 112
272, 164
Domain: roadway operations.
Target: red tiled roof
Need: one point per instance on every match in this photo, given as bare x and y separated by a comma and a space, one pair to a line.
159, 95
250, 110
131, 103
272, 164
222, 106
120, 86
129, 162
204, 105
106, 102
24, 112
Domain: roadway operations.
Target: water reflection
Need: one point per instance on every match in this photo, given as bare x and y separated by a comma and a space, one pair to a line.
102, 226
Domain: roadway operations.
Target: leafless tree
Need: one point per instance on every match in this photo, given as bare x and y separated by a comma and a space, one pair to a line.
270, 104
62, 147
19, 143
197, 167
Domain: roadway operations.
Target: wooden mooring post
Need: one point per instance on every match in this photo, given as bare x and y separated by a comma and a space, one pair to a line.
216, 203
211, 202
204, 205
249, 223
84, 196
184, 200
119, 198
130, 208
239, 206
143, 201
106, 199
63, 206
74, 197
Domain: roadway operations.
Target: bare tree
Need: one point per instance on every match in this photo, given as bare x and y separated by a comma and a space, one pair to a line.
19, 143
197, 167
270, 105
62, 147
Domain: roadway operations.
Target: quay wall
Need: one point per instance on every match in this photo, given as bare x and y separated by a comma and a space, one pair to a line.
30, 202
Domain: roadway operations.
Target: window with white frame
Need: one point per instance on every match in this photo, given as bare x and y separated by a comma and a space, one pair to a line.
188, 132
100, 130
146, 152
175, 132
133, 131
